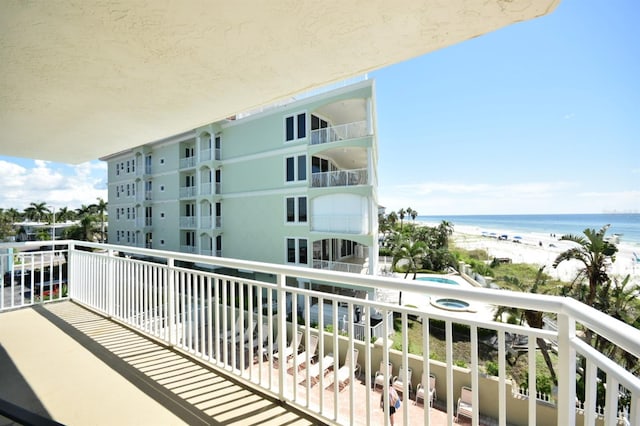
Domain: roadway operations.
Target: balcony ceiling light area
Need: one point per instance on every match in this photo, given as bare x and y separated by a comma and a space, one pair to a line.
81, 80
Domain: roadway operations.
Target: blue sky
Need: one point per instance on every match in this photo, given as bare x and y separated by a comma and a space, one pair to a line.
539, 117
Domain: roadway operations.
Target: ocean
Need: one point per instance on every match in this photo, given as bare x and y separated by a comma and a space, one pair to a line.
626, 225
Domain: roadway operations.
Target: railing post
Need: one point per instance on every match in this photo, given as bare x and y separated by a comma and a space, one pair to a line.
171, 320
566, 394
110, 283
70, 271
281, 298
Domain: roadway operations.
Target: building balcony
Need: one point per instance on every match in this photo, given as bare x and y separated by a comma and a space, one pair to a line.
330, 265
205, 155
340, 178
187, 248
187, 162
206, 188
339, 223
188, 191
358, 129
188, 221
182, 333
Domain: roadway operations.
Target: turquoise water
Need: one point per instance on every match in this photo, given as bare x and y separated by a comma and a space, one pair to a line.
452, 303
437, 280
626, 224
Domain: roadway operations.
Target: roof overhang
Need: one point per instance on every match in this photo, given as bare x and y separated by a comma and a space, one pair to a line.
81, 80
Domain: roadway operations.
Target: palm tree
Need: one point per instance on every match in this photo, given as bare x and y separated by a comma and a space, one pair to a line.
84, 210
411, 253
595, 253
36, 211
401, 214
63, 214
86, 225
414, 214
101, 208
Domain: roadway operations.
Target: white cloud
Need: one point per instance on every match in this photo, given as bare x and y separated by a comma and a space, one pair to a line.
55, 184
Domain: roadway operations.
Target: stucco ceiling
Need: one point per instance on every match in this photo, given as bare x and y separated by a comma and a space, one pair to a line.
85, 79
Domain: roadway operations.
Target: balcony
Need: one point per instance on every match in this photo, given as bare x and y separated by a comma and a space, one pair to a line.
351, 268
188, 191
206, 320
187, 162
339, 223
206, 188
205, 155
358, 129
340, 178
188, 222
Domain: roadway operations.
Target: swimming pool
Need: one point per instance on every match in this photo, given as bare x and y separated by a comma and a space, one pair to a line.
438, 280
452, 305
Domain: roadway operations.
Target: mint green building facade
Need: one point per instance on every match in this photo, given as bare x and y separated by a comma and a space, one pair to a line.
293, 184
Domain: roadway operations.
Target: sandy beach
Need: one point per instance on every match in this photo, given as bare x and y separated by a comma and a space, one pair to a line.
540, 249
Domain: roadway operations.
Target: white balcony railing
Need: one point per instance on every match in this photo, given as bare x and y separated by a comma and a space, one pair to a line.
206, 188
193, 309
340, 132
184, 248
205, 155
205, 222
339, 178
188, 191
188, 221
351, 268
187, 162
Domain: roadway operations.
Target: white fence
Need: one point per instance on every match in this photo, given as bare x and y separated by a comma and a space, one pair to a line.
231, 322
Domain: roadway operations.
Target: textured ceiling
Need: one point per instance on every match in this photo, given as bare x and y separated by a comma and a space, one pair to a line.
85, 79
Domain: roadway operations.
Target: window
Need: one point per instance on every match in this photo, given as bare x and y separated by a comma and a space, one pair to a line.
162, 215
162, 161
117, 169
161, 188
295, 127
297, 251
296, 209
296, 168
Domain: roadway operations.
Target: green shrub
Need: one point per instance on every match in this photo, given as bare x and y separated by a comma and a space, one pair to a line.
491, 368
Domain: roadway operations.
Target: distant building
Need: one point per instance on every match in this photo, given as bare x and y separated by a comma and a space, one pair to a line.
29, 231
292, 184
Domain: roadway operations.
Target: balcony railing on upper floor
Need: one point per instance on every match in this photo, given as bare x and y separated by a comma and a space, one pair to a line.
340, 178
188, 191
357, 129
236, 322
187, 162
205, 222
352, 268
206, 188
205, 155
185, 248
188, 221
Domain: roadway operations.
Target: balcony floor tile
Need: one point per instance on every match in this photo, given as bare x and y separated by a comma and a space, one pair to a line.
66, 363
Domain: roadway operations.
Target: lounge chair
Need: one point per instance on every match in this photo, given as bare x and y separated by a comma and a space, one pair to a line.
430, 391
379, 377
320, 368
344, 373
464, 403
310, 349
399, 381
290, 350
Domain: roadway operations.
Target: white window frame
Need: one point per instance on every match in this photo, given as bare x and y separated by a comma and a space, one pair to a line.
296, 130
297, 251
296, 210
296, 169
